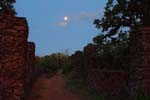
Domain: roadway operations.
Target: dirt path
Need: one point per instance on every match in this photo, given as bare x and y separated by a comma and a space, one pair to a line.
52, 89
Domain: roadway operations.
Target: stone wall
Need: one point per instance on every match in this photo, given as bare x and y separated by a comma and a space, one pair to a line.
30, 69
31, 61
86, 67
13, 57
140, 59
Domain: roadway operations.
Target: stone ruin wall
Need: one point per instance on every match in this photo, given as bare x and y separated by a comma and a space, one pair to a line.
140, 59
138, 76
112, 82
16, 57
17, 60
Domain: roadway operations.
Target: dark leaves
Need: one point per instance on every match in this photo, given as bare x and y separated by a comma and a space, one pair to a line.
6, 7
124, 13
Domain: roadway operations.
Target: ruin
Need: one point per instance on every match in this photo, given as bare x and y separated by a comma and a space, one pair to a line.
14, 55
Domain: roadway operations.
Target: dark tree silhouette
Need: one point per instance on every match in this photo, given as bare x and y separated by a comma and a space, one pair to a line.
124, 13
6, 7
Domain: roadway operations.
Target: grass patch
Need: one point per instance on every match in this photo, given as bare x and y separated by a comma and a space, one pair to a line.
37, 96
78, 87
74, 86
67, 68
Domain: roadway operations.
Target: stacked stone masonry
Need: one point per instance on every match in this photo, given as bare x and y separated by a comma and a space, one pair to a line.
137, 77
30, 69
112, 82
140, 59
14, 51
31, 61
17, 58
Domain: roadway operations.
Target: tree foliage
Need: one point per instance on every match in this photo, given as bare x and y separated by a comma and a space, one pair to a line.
112, 53
124, 13
6, 7
51, 63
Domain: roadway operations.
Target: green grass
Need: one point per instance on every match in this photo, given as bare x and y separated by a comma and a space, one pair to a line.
75, 85
78, 87
67, 68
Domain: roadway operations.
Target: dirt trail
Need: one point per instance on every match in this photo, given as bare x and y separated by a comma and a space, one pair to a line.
52, 89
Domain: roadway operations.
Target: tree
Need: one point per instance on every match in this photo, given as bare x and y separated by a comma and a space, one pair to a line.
6, 7
124, 13
112, 53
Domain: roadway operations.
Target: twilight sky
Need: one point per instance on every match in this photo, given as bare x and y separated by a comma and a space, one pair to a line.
49, 30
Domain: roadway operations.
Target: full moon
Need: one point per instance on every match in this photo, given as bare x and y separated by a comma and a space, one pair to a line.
65, 18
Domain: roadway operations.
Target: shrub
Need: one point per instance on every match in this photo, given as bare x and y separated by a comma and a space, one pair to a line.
140, 94
78, 86
67, 68
112, 53
51, 63
6, 7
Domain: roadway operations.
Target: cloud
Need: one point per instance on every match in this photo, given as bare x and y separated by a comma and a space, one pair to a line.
62, 24
87, 16
81, 17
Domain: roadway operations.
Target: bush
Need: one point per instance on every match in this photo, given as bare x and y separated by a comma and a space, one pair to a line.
112, 53
7, 7
67, 68
140, 94
51, 63
75, 85
78, 86
38, 66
